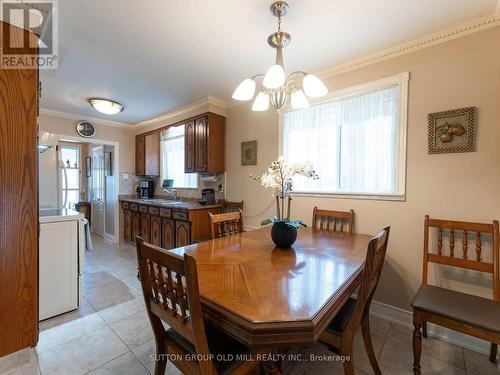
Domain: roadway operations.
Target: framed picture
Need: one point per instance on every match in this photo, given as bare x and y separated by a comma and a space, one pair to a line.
88, 161
249, 153
452, 131
108, 171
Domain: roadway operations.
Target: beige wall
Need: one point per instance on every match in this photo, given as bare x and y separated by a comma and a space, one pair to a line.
459, 73
124, 136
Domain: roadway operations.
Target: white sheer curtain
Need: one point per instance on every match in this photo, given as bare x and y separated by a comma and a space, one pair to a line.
172, 163
350, 141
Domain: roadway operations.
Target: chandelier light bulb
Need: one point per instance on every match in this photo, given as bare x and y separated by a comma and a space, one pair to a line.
261, 102
313, 86
275, 77
245, 90
299, 100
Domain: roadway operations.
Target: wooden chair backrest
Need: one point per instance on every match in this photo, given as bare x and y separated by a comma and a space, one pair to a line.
222, 225
330, 220
232, 206
170, 289
450, 258
374, 262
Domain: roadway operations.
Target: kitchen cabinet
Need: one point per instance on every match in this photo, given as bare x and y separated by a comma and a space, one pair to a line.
167, 233
189, 147
182, 233
145, 227
201, 155
147, 154
127, 225
135, 225
156, 229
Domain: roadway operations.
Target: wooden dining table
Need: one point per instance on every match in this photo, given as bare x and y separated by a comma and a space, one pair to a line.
266, 297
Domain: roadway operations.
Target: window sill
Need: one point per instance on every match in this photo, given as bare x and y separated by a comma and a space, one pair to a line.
378, 197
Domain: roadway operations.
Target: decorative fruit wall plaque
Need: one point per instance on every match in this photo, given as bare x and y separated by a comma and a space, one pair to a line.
452, 131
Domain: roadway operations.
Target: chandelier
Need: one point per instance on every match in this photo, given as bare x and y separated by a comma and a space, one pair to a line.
276, 87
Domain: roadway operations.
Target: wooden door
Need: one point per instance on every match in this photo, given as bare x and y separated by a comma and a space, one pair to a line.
145, 227
127, 225
140, 160
201, 133
152, 154
136, 225
168, 233
156, 230
182, 233
189, 148
18, 204
98, 191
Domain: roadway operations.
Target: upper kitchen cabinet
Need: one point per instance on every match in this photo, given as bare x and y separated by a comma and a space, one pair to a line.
147, 154
205, 144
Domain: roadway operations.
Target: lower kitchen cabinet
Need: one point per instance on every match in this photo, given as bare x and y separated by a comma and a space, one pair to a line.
127, 225
135, 225
145, 227
168, 233
182, 233
156, 230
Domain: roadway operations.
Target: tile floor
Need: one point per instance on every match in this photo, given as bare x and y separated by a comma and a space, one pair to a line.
110, 334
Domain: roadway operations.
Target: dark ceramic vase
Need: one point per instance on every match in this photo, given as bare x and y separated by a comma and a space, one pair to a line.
283, 235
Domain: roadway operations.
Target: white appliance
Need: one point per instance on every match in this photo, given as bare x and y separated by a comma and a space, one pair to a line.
50, 165
61, 258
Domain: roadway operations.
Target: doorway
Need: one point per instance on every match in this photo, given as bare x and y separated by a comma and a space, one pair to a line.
97, 191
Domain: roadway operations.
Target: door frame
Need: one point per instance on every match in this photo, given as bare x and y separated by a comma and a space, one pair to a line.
116, 171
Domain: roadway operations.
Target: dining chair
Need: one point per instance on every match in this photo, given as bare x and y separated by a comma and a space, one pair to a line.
330, 220
171, 294
466, 313
226, 224
231, 206
341, 331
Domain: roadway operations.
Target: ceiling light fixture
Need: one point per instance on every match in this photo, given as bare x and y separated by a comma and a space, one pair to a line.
108, 107
276, 87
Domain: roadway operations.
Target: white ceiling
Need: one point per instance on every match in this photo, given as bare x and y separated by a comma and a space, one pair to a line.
155, 55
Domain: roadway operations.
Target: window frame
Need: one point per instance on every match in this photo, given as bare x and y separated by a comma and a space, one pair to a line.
401, 80
162, 177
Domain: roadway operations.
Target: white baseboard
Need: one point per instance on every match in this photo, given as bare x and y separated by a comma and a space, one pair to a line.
110, 238
405, 318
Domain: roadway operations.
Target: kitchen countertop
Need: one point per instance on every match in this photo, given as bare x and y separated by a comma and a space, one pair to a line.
168, 203
51, 215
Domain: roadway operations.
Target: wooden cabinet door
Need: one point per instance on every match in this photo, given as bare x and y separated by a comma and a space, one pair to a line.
140, 155
201, 136
127, 225
189, 148
145, 227
152, 154
156, 230
182, 233
168, 233
136, 225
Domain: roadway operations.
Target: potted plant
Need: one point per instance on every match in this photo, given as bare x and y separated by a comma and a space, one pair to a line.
279, 178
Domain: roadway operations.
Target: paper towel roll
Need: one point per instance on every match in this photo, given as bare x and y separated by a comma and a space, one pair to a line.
207, 179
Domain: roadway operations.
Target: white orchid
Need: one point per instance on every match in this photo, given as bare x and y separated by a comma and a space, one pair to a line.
279, 178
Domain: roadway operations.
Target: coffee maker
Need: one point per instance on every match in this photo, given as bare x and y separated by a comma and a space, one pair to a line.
146, 189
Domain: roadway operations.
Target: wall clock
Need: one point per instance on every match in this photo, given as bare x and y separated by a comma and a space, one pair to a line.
85, 129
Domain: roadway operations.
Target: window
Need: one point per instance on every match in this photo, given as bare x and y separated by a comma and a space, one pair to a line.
70, 188
356, 141
172, 160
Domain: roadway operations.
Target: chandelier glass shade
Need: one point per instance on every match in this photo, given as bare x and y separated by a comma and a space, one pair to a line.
275, 87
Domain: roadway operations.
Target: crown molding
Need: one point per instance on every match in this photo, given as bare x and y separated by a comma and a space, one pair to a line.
50, 112
428, 40
199, 104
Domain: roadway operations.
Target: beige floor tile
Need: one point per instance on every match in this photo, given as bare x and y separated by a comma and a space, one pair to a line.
121, 307
478, 364
69, 326
134, 330
127, 364
146, 352
397, 359
82, 354
22, 362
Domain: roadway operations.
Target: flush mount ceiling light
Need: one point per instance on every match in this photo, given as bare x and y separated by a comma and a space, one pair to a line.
276, 87
108, 107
